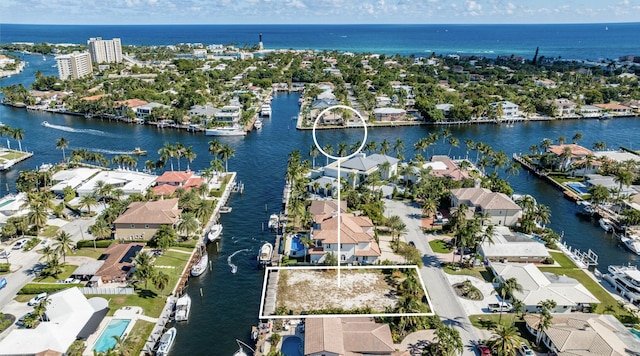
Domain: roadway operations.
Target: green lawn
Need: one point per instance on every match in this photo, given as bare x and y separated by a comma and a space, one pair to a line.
150, 302
66, 273
174, 263
594, 287
478, 272
440, 246
89, 252
562, 259
12, 155
139, 334
49, 231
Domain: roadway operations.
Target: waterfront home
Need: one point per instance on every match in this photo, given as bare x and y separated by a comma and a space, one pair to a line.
512, 247
590, 111
347, 336
169, 181
321, 104
616, 109
141, 220
387, 165
118, 263
13, 205
584, 334
564, 107
537, 286
509, 109
70, 317
577, 156
143, 111
323, 209
323, 185
439, 166
361, 166
445, 108
73, 178
610, 183
203, 112
357, 240
499, 208
389, 114
123, 107
130, 182
229, 115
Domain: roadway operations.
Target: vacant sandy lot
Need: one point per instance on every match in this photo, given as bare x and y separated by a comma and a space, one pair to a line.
305, 290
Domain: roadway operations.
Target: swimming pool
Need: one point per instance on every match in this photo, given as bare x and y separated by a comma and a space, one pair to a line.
578, 187
106, 340
292, 346
5, 203
635, 333
296, 244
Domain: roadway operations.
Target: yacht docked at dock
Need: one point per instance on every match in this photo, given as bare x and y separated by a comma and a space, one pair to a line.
626, 281
226, 131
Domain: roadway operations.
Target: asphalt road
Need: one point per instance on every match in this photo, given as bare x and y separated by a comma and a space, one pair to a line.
23, 265
443, 299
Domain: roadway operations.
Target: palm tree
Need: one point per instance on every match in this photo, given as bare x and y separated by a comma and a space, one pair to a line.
227, 152
100, 229
87, 201
160, 281
507, 288
448, 340
62, 143
314, 153
398, 147
506, 340
144, 270
63, 244
453, 142
18, 134
328, 149
190, 155
47, 253
188, 224
167, 152
384, 147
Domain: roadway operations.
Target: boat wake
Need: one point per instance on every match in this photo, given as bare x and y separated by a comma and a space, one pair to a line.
110, 152
71, 129
234, 268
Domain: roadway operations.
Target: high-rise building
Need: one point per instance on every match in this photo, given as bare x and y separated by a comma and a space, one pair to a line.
105, 51
75, 65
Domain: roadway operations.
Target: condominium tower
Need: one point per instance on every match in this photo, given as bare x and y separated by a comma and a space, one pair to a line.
74, 65
105, 51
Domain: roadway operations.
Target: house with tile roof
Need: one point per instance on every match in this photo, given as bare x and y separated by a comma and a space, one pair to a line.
141, 220
578, 154
347, 336
537, 286
357, 240
324, 209
616, 109
585, 334
118, 263
439, 166
499, 208
169, 181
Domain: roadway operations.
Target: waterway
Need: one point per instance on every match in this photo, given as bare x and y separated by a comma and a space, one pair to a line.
229, 305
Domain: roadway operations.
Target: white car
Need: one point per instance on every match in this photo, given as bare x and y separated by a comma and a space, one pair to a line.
20, 244
525, 350
35, 300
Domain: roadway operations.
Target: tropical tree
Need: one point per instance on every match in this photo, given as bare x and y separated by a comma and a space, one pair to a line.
62, 143
63, 244
144, 270
167, 152
188, 224
314, 153
18, 134
161, 281
505, 341
227, 152
87, 201
506, 288
448, 340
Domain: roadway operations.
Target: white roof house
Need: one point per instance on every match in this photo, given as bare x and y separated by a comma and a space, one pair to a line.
71, 178
69, 313
363, 166
538, 286
508, 246
129, 181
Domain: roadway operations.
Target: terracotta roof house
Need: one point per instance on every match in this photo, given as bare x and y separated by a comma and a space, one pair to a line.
441, 166
537, 286
585, 334
169, 181
578, 153
324, 209
142, 219
616, 109
118, 262
347, 336
358, 244
499, 207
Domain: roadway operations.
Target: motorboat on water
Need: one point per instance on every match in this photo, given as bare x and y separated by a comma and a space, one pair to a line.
273, 221
183, 307
605, 116
257, 124
626, 281
606, 224
166, 341
226, 131
585, 208
225, 209
241, 351
266, 252
214, 232
631, 240
201, 264
139, 152
265, 110
45, 123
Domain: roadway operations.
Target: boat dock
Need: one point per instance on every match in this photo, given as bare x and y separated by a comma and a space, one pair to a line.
583, 260
568, 193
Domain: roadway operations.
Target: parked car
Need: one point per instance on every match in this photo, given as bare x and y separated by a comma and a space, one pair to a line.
484, 350
525, 350
3, 282
411, 243
500, 307
69, 281
35, 300
20, 244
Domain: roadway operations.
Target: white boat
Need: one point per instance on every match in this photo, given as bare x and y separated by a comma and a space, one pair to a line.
605, 224
606, 116
257, 124
201, 264
631, 240
273, 221
183, 307
166, 341
265, 110
626, 281
214, 232
226, 131
225, 209
585, 208
266, 252
45, 123
241, 351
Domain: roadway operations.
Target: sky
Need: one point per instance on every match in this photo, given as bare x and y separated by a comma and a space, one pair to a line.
317, 11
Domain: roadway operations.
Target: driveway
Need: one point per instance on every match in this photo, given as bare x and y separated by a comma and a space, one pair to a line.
443, 299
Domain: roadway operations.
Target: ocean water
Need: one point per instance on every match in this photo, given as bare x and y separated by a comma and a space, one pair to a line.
569, 41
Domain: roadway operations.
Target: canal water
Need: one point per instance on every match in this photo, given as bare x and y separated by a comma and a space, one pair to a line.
229, 303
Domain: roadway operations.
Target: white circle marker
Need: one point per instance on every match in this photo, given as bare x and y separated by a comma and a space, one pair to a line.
364, 141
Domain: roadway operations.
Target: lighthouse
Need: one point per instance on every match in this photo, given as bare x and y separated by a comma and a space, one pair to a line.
260, 46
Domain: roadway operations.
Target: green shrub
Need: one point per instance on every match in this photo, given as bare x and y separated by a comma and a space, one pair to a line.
99, 243
37, 288
31, 244
5, 267
548, 261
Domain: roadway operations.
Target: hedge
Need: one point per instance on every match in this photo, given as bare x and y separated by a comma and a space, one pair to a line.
5, 267
37, 288
99, 243
33, 242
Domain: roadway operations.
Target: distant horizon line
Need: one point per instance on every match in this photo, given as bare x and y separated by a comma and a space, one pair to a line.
322, 24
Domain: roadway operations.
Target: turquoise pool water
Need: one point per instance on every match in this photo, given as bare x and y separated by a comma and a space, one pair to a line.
106, 340
635, 333
292, 346
7, 202
578, 187
296, 244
